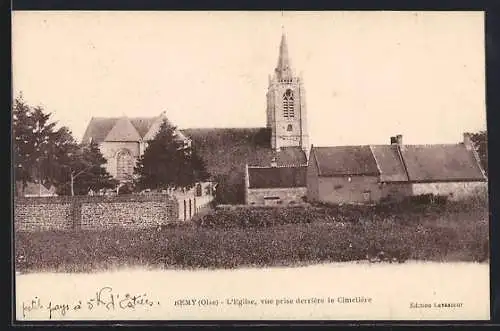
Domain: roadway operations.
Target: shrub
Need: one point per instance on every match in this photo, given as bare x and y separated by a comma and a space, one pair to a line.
257, 217
264, 237
230, 188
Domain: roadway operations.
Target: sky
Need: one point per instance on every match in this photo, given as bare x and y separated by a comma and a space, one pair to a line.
367, 75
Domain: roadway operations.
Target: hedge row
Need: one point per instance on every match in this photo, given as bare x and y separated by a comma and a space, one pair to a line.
271, 216
459, 238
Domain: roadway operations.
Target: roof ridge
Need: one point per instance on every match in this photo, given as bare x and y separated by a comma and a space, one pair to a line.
403, 162
388, 145
105, 118
225, 128
376, 162
440, 144
317, 162
340, 146
278, 166
477, 162
113, 131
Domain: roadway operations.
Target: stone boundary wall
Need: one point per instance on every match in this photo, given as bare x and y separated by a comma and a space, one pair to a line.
93, 212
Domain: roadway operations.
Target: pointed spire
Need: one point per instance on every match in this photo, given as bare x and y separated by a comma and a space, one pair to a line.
283, 68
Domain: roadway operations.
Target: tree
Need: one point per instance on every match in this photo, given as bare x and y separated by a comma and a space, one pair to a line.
168, 163
85, 170
49, 156
62, 150
33, 133
230, 187
23, 146
480, 141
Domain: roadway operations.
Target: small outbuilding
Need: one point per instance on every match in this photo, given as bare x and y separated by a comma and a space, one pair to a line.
367, 174
275, 185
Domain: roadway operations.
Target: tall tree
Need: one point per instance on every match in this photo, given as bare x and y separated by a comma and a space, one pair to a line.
60, 156
168, 163
32, 131
49, 156
480, 140
22, 141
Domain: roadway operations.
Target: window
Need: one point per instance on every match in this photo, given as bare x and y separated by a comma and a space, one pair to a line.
288, 106
198, 190
124, 164
272, 201
289, 127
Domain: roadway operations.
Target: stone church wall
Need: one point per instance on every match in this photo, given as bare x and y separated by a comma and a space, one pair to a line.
110, 149
93, 213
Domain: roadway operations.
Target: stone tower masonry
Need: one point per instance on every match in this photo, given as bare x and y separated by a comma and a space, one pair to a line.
286, 106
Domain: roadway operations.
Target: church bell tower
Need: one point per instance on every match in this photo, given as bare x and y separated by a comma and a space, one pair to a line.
286, 107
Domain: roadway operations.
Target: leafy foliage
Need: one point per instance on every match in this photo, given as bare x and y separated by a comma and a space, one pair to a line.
48, 155
33, 134
168, 163
86, 165
440, 234
230, 187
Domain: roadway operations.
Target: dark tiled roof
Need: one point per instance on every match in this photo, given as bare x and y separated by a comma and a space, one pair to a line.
143, 124
389, 163
230, 149
450, 162
345, 160
99, 127
123, 130
289, 156
223, 149
277, 177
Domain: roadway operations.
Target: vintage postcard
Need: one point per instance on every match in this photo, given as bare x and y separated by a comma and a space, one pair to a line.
250, 166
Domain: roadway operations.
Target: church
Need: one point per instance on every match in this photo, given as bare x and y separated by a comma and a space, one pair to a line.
275, 165
284, 141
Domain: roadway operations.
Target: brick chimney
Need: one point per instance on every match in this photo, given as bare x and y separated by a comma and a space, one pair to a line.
397, 140
469, 145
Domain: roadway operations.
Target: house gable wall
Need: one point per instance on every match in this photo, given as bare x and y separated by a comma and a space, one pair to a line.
276, 196
396, 190
341, 190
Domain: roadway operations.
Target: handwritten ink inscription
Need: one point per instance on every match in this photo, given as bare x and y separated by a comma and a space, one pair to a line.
104, 299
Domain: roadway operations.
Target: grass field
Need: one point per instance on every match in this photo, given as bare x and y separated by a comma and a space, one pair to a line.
269, 237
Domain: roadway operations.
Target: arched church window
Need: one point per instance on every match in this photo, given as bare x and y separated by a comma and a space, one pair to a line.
124, 164
288, 106
289, 127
